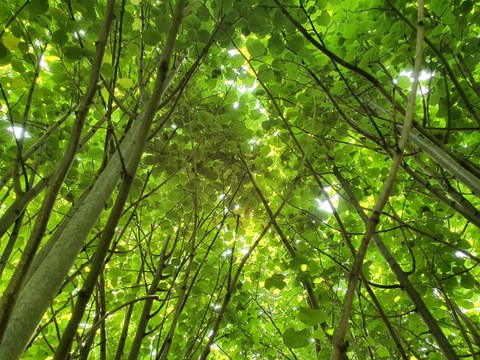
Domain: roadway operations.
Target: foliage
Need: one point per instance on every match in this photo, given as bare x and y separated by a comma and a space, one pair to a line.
274, 134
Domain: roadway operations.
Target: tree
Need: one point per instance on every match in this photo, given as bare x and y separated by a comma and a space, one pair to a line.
202, 179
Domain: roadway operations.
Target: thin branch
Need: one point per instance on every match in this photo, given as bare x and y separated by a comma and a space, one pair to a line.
339, 345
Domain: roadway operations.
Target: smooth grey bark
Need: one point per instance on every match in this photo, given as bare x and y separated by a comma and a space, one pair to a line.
130, 166
11, 293
43, 252
21, 202
43, 285
446, 186
446, 162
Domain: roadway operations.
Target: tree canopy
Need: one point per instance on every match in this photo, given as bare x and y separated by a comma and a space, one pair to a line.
198, 179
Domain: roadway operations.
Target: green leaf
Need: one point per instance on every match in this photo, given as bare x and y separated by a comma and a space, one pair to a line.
108, 70
321, 4
275, 45
467, 281
204, 117
10, 41
18, 82
438, 6
3, 50
37, 7
151, 37
298, 263
296, 339
125, 83
382, 351
265, 74
279, 19
207, 171
73, 52
438, 30
276, 281
203, 36
259, 22
350, 31
404, 82
255, 48
323, 19
203, 13
311, 316
17, 65
296, 42
60, 37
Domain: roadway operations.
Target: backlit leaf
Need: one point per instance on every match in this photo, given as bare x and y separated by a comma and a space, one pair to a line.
296, 339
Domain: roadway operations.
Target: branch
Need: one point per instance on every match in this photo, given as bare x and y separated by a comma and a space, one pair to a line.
339, 345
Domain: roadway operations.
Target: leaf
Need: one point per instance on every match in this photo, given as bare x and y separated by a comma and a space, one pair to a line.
467, 281
276, 281
382, 351
323, 19
60, 37
108, 70
310, 316
18, 82
296, 42
125, 83
321, 4
350, 31
279, 19
275, 45
73, 52
255, 48
438, 6
18, 66
3, 50
265, 74
207, 171
203, 13
151, 37
203, 36
404, 82
437, 30
296, 339
37, 7
204, 117
259, 22
10, 41
298, 262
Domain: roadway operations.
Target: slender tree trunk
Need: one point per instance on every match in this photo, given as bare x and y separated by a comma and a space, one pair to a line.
42, 287
408, 287
10, 295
